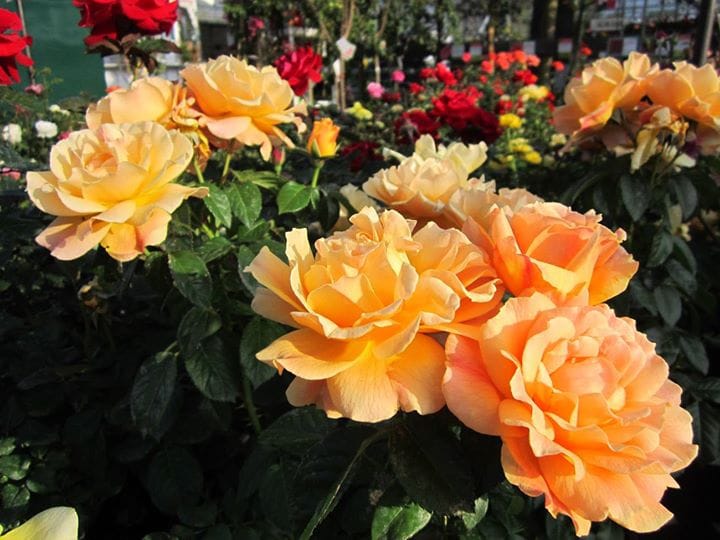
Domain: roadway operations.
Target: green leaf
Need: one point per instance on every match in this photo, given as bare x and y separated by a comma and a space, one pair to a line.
643, 297
429, 465
575, 190
297, 430
7, 446
174, 478
686, 194
195, 287
245, 256
187, 262
472, 519
293, 197
258, 334
635, 194
14, 466
220, 532
214, 248
246, 202
686, 255
680, 275
694, 350
660, 249
152, 394
219, 205
327, 451
212, 372
264, 179
196, 325
707, 389
669, 304
399, 522
203, 515
276, 496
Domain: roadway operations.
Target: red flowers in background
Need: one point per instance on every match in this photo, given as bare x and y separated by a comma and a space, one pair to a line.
299, 67
414, 123
361, 152
460, 111
525, 76
11, 46
114, 19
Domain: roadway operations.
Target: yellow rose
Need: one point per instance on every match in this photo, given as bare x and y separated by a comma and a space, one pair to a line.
239, 102
112, 186
422, 184
689, 90
59, 523
323, 138
534, 92
510, 120
603, 87
363, 303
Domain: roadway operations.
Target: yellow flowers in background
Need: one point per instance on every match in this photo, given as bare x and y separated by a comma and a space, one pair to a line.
359, 112
510, 120
112, 186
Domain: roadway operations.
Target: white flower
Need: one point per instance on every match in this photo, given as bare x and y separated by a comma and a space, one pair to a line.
55, 108
12, 133
45, 129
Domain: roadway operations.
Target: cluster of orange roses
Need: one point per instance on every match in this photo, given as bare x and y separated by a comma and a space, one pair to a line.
112, 184
490, 302
637, 108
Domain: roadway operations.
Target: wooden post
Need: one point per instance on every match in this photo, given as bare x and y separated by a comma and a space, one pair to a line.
21, 13
706, 18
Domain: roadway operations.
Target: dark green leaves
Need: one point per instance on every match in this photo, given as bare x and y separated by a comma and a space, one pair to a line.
191, 277
174, 478
429, 466
212, 371
152, 394
686, 195
258, 334
669, 304
636, 195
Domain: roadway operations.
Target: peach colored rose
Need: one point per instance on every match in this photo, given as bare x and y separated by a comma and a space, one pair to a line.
691, 91
112, 186
362, 305
478, 199
584, 407
151, 99
323, 138
548, 247
604, 86
422, 184
239, 102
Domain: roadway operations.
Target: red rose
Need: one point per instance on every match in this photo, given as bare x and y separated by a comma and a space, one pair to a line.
460, 111
391, 97
466, 57
299, 67
427, 73
416, 88
557, 65
150, 16
11, 47
444, 74
525, 76
411, 124
361, 152
114, 19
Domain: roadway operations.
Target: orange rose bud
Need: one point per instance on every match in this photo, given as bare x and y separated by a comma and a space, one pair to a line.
322, 142
583, 405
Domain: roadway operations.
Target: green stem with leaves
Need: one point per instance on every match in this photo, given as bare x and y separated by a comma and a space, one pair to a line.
316, 173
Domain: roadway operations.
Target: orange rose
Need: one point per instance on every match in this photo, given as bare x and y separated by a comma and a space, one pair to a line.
362, 304
112, 186
691, 91
322, 142
478, 199
239, 102
147, 99
584, 407
547, 247
603, 87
